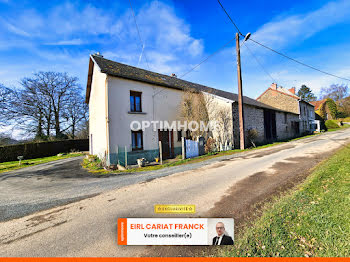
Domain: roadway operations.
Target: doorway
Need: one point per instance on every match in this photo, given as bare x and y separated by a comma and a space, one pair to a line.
270, 125
167, 139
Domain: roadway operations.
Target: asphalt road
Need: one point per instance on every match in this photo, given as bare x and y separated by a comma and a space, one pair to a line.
32, 189
88, 227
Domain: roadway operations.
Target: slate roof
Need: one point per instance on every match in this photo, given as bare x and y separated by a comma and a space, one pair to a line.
116, 69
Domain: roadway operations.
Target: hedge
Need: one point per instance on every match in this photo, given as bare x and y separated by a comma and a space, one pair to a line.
42, 149
331, 124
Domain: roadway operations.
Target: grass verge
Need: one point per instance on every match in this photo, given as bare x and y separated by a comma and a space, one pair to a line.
311, 221
338, 128
96, 167
13, 165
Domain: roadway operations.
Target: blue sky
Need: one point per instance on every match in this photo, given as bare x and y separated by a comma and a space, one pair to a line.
60, 35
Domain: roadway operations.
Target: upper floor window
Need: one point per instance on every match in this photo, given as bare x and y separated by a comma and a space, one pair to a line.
135, 101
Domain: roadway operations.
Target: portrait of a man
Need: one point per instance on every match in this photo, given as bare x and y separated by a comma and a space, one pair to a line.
222, 238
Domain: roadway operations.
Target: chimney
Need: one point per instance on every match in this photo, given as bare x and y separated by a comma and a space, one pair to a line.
273, 86
292, 90
173, 75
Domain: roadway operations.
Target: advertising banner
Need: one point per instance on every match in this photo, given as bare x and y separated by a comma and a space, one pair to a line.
175, 231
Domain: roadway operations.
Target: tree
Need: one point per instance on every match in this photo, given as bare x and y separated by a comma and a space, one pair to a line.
76, 114
47, 103
58, 88
6, 95
194, 108
344, 107
335, 92
306, 94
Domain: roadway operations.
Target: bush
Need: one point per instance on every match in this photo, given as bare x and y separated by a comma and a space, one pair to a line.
210, 145
331, 124
252, 135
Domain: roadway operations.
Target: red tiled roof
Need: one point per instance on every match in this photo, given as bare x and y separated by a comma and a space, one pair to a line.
318, 104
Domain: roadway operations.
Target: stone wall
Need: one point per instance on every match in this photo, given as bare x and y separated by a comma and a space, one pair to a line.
307, 117
284, 127
254, 119
280, 100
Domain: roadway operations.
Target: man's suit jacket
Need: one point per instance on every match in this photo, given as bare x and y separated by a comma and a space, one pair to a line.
226, 240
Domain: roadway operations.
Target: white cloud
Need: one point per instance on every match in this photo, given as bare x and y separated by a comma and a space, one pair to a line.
285, 31
76, 41
164, 29
16, 30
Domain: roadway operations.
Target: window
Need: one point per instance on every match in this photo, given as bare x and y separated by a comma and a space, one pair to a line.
285, 118
135, 101
179, 135
137, 140
188, 134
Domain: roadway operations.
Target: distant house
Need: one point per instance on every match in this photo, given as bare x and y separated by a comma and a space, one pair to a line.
286, 99
119, 94
325, 109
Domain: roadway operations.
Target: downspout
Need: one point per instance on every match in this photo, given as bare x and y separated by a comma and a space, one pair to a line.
107, 122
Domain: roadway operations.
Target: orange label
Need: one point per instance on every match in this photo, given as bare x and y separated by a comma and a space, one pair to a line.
122, 231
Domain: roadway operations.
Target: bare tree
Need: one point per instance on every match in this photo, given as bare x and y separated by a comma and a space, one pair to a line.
6, 95
223, 119
335, 92
194, 108
58, 88
47, 103
206, 108
75, 113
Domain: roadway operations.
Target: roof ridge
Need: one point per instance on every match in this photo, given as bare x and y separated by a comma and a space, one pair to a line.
118, 69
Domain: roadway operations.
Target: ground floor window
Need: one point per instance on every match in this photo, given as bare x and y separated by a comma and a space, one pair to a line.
179, 135
137, 140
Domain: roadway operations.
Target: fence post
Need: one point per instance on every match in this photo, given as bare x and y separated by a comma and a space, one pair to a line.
117, 152
183, 148
126, 157
160, 152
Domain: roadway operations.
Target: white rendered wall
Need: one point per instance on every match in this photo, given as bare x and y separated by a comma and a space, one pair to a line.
97, 114
158, 103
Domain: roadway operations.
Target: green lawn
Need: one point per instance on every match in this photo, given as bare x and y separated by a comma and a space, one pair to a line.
338, 128
8, 166
313, 220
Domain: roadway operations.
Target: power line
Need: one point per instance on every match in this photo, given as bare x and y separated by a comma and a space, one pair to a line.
256, 59
223, 8
138, 32
281, 54
301, 63
205, 59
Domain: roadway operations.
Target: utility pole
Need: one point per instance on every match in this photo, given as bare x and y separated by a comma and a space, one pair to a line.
240, 94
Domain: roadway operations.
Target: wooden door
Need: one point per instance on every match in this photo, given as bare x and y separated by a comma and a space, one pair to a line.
163, 136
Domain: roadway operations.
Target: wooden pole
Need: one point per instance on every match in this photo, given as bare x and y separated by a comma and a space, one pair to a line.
240, 95
117, 152
126, 157
160, 153
183, 148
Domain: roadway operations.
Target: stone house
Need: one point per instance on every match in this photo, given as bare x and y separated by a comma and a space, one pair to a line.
120, 95
325, 109
286, 99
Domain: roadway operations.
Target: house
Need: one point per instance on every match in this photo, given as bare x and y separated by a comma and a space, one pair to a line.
121, 96
325, 109
286, 99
